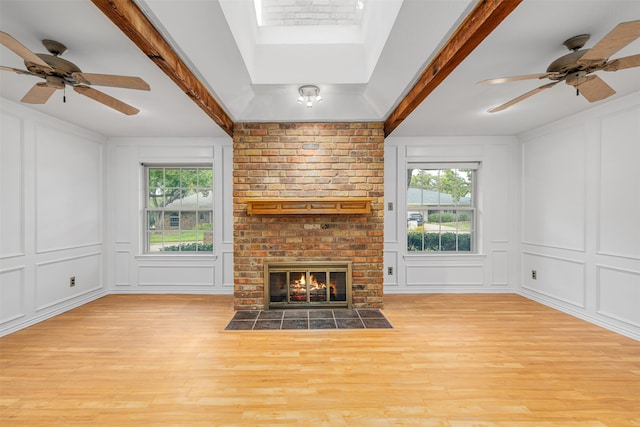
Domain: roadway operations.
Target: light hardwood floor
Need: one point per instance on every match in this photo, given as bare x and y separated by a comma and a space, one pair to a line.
451, 360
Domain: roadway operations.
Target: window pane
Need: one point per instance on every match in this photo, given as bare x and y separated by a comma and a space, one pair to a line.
156, 197
171, 241
154, 220
188, 240
173, 198
156, 177
205, 178
155, 241
205, 199
172, 178
189, 178
205, 220
188, 220
189, 199
205, 241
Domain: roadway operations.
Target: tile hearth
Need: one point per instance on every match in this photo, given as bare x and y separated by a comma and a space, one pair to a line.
308, 319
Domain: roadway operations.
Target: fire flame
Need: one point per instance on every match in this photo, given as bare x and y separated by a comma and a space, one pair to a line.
314, 285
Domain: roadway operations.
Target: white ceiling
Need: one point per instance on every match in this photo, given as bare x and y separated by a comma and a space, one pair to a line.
526, 42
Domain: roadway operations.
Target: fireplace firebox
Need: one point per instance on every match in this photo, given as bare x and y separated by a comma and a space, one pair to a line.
308, 284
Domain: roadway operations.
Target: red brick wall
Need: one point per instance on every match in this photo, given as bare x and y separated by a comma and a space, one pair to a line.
308, 160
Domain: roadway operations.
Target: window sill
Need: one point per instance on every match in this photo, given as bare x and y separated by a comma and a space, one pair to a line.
176, 257
445, 257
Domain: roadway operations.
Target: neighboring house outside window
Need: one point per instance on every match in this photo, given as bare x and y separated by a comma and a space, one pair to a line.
441, 207
179, 209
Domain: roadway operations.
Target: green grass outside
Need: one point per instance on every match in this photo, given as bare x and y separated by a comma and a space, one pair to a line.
184, 237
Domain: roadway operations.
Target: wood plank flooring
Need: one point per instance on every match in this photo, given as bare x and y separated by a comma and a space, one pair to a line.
450, 360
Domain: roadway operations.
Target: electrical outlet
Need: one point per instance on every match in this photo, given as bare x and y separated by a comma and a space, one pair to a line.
390, 271
534, 275
72, 281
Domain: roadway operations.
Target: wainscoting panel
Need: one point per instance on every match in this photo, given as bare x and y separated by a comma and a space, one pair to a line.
618, 294
53, 279
74, 163
121, 265
500, 267
12, 298
560, 278
619, 201
554, 179
124, 177
439, 275
497, 201
176, 275
11, 186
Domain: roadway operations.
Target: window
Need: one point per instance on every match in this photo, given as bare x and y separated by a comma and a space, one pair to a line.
179, 209
441, 209
174, 220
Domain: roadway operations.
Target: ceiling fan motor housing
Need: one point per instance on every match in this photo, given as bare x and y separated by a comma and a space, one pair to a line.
61, 67
571, 63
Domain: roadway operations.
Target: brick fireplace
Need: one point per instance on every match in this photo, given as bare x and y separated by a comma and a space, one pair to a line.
317, 162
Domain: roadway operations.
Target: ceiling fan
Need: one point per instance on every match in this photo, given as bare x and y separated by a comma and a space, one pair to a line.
58, 73
576, 68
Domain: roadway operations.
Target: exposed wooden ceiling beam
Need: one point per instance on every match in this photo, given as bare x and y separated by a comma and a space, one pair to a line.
133, 22
482, 20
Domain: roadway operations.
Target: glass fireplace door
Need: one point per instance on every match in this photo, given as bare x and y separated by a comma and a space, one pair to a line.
294, 286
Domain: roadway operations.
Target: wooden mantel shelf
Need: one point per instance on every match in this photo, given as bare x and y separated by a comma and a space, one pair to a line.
309, 206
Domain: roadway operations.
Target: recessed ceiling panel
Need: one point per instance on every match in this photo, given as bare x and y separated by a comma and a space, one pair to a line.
340, 40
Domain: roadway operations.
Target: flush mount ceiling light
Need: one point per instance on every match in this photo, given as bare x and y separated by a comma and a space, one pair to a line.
307, 94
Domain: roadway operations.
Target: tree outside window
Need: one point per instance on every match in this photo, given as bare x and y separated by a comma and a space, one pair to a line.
179, 210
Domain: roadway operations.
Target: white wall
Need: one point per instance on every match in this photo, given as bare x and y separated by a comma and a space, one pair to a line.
495, 267
129, 270
51, 216
581, 215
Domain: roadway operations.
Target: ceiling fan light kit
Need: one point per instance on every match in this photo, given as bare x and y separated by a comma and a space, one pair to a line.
309, 93
59, 73
576, 67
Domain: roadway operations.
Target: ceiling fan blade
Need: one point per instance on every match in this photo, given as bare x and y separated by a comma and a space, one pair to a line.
623, 34
15, 70
622, 63
107, 100
111, 80
22, 51
38, 94
522, 97
593, 88
516, 78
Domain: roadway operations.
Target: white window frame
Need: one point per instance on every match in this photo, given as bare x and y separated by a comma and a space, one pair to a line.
472, 209
196, 211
